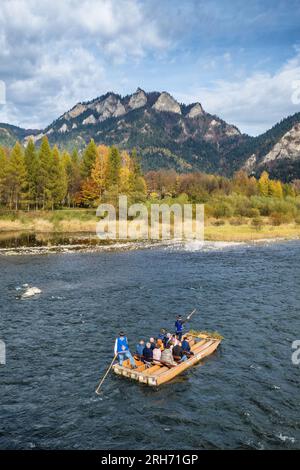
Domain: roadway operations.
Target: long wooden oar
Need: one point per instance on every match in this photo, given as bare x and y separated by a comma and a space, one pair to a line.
105, 375
190, 315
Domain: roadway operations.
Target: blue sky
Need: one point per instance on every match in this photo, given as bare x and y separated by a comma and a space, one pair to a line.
240, 59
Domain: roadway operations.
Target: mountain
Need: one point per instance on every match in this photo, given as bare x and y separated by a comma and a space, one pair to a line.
276, 151
170, 135
10, 134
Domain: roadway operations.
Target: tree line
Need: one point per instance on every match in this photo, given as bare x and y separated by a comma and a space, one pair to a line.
43, 178
238, 198
46, 178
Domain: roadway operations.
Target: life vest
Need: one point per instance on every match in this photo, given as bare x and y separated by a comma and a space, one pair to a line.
121, 343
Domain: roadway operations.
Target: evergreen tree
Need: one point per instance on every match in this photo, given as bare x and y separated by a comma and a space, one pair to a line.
88, 160
43, 179
58, 184
3, 176
16, 176
74, 177
114, 167
32, 167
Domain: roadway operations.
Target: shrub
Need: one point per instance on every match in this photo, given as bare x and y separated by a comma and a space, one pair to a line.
257, 223
278, 218
218, 222
237, 221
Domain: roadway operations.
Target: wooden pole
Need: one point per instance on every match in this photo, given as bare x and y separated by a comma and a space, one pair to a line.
105, 375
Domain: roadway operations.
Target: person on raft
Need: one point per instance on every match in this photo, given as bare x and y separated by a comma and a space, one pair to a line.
148, 354
140, 348
179, 326
167, 356
186, 347
122, 350
178, 353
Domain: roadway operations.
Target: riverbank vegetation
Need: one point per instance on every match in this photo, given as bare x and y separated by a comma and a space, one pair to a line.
45, 190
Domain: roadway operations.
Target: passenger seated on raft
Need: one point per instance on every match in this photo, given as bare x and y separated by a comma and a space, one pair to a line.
167, 339
167, 356
147, 354
157, 353
153, 343
174, 340
160, 344
186, 347
162, 334
178, 353
140, 348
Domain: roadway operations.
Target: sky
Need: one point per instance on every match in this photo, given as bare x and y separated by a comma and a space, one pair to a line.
240, 60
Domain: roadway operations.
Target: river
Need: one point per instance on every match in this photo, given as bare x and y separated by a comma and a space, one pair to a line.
59, 343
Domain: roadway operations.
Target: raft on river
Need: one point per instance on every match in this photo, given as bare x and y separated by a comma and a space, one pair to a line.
202, 345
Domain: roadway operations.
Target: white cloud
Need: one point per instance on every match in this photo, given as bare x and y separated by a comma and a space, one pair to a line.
53, 54
254, 103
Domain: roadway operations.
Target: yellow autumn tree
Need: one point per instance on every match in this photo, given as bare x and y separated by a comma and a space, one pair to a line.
125, 173
275, 189
263, 184
100, 169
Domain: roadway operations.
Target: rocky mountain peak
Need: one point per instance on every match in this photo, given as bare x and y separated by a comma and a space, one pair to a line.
138, 99
166, 102
195, 111
288, 147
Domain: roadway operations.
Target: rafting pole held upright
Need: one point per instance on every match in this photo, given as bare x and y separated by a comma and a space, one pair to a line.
105, 375
191, 314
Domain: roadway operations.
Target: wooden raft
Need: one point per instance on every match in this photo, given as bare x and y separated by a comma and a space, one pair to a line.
158, 374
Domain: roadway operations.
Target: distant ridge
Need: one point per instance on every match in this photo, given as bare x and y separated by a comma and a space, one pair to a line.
170, 135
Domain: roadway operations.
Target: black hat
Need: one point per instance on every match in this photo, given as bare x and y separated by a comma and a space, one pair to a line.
121, 333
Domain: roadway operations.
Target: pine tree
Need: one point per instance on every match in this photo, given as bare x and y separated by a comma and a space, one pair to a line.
75, 177
16, 176
114, 167
88, 160
137, 183
3, 176
32, 167
43, 179
136, 163
58, 184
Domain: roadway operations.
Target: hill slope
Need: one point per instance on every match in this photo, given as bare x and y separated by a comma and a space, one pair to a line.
170, 135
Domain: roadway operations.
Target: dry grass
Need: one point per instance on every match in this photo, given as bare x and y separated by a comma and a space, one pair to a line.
247, 232
75, 221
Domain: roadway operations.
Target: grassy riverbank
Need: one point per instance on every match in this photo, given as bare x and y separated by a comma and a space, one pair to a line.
84, 221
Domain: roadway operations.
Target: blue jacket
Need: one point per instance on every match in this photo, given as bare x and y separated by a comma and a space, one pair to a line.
179, 326
140, 349
148, 354
185, 346
119, 345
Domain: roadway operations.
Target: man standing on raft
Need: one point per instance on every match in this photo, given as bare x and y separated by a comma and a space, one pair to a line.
179, 324
122, 350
